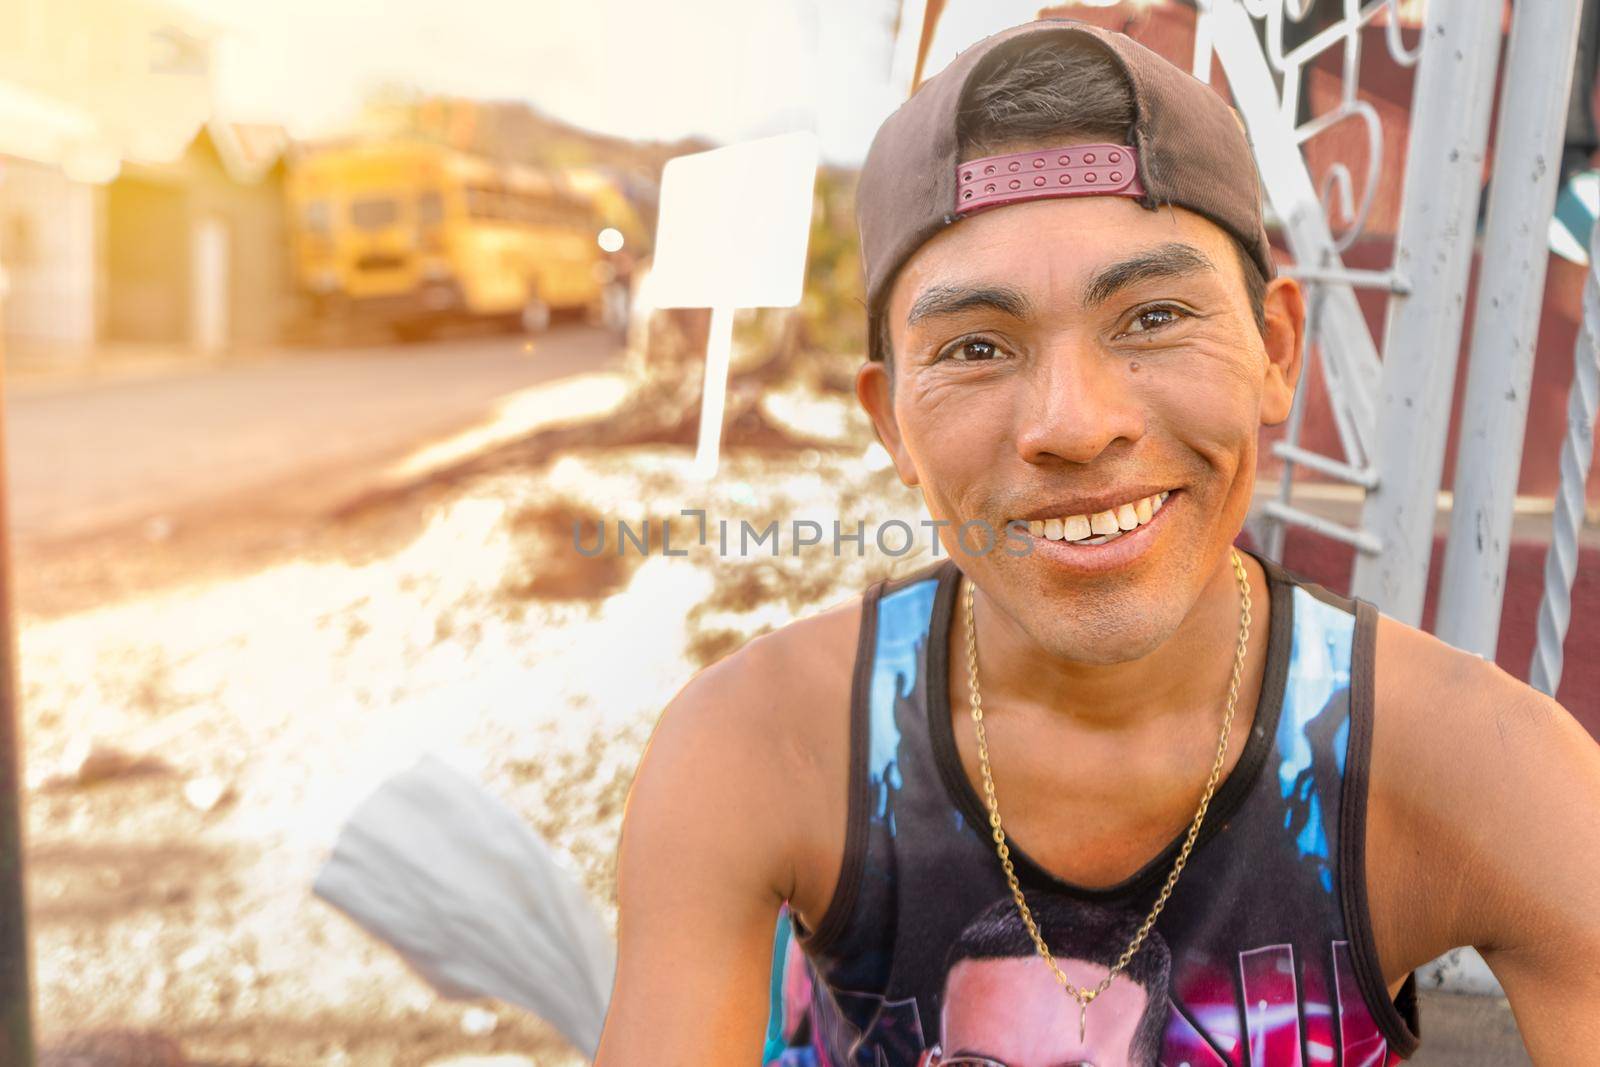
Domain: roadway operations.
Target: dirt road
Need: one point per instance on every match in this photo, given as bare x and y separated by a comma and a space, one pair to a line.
86, 457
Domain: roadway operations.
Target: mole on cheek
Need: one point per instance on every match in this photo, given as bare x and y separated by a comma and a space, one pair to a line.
1133, 368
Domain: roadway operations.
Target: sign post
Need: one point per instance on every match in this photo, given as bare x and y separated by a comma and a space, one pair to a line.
714, 397
732, 234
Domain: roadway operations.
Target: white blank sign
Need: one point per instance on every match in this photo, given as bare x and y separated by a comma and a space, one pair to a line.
734, 223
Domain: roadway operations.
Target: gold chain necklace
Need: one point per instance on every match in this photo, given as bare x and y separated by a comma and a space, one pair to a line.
1085, 996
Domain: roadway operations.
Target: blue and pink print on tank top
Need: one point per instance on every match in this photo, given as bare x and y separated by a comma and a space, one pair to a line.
1263, 956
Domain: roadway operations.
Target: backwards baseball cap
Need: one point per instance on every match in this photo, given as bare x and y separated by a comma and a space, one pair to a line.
1186, 148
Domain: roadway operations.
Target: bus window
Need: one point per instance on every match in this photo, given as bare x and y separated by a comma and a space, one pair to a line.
524, 208
374, 213
548, 212
430, 220
483, 203
576, 216
430, 209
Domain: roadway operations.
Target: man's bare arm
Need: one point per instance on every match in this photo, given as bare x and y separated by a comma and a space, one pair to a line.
705, 861
698, 887
1487, 817
1541, 933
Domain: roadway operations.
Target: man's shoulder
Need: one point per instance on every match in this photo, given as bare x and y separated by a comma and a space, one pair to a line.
790, 686
1428, 691
1441, 715
826, 636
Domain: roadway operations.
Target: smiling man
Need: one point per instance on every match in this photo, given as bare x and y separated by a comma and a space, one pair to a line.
1077, 337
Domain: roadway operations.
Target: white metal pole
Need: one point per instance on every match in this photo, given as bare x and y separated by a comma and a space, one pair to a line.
1505, 322
1444, 166
714, 396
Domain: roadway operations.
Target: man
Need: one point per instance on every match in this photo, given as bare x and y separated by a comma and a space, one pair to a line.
1000, 999
1077, 334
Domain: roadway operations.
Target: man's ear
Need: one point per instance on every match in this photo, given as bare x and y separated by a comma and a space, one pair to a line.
875, 390
1284, 338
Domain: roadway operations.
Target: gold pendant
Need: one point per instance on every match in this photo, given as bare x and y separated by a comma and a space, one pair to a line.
1083, 1019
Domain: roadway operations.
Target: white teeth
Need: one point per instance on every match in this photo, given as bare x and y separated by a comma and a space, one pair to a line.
1102, 526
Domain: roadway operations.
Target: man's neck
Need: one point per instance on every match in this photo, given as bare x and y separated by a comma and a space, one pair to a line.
1178, 677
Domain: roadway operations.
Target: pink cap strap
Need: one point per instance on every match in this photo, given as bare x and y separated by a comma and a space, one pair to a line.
1076, 170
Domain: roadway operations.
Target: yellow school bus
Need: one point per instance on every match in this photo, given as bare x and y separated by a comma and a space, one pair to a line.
412, 234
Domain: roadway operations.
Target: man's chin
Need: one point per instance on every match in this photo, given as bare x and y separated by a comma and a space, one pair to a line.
1102, 645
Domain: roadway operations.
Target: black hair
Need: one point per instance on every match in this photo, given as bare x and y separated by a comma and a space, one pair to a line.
1074, 929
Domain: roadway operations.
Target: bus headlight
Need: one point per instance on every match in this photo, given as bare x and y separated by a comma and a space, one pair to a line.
610, 239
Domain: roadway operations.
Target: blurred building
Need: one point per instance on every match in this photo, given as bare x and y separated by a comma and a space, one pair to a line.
124, 215
196, 251
48, 270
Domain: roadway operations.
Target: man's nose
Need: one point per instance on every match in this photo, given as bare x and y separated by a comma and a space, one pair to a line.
1078, 403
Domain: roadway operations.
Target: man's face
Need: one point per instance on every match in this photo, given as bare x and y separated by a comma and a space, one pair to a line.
1059, 358
1012, 1011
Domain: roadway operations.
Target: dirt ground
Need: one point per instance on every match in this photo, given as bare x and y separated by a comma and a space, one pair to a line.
205, 704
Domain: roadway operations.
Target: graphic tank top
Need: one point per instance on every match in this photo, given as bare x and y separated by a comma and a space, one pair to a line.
1263, 956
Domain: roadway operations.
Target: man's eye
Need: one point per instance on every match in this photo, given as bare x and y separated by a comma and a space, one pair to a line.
1155, 318
971, 350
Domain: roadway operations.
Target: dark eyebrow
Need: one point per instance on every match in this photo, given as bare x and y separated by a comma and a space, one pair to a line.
1173, 260
1165, 261
951, 299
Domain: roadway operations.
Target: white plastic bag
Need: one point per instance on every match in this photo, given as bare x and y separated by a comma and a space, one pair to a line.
454, 881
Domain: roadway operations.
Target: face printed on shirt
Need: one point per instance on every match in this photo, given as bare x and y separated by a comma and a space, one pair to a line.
1013, 1012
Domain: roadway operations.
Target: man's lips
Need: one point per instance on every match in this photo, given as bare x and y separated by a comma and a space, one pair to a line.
1103, 554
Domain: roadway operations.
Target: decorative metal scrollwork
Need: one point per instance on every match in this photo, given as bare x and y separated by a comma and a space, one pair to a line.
1346, 217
